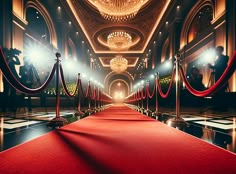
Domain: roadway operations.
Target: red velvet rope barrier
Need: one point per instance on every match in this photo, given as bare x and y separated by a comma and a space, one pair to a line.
94, 96
218, 85
139, 94
148, 90
88, 92
144, 93
64, 84
15, 83
99, 95
81, 88
169, 88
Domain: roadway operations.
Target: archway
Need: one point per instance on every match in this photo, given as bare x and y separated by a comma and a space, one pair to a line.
118, 89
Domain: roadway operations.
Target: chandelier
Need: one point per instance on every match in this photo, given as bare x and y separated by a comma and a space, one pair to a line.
118, 10
119, 64
119, 40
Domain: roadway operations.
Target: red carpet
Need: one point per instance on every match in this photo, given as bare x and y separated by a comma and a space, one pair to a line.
117, 140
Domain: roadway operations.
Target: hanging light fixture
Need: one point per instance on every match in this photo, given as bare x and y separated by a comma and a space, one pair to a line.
119, 41
118, 10
119, 64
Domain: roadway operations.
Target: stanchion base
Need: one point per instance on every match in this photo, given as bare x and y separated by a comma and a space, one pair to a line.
142, 110
89, 112
95, 110
79, 113
177, 123
148, 112
57, 122
156, 115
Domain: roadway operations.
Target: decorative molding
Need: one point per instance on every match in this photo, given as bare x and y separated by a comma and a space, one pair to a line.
43, 11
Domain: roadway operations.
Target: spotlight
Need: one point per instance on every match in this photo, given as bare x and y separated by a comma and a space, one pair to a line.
152, 76
208, 56
167, 64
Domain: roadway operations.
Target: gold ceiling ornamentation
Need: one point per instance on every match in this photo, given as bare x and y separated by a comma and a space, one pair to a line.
119, 64
118, 10
119, 41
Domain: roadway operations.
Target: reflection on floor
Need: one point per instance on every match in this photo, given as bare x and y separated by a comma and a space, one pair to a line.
221, 121
21, 127
218, 128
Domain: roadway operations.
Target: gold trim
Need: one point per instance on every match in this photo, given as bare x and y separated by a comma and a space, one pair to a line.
123, 52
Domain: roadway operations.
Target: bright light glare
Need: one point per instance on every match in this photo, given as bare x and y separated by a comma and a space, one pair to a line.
69, 64
208, 56
152, 76
118, 95
38, 54
167, 64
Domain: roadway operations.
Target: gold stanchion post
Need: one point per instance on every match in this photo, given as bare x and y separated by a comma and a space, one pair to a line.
58, 121
156, 114
177, 122
79, 112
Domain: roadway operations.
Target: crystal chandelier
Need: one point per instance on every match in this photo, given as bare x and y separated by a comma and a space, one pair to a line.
119, 41
119, 64
118, 10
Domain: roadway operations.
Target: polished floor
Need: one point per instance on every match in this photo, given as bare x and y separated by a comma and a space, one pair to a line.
218, 128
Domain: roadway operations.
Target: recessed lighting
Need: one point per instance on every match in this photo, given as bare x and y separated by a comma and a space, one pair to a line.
77, 32
82, 41
69, 22
178, 7
167, 22
160, 32
59, 8
154, 42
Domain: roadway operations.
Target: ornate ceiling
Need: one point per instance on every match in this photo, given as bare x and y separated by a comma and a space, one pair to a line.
96, 28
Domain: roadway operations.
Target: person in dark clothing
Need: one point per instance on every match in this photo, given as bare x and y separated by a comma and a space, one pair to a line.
219, 68
26, 79
220, 65
9, 92
195, 79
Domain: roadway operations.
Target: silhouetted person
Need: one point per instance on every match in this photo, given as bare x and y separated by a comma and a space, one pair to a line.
9, 92
219, 67
195, 79
220, 64
26, 74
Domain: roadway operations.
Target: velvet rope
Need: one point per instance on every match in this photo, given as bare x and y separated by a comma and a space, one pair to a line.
148, 90
15, 83
94, 96
218, 85
135, 96
81, 88
169, 87
144, 93
139, 94
98, 96
88, 92
64, 84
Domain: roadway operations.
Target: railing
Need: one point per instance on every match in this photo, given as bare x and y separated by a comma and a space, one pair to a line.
141, 94
96, 95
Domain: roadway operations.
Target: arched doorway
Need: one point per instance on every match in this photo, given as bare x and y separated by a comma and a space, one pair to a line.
118, 89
